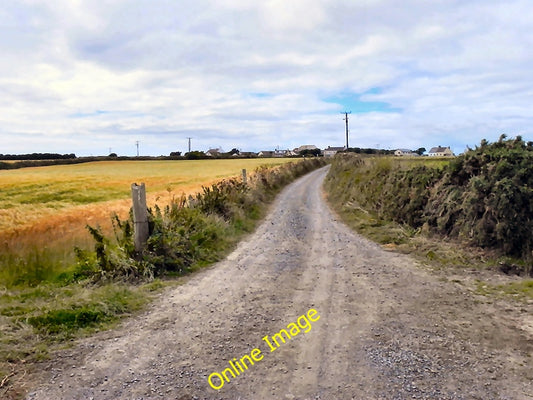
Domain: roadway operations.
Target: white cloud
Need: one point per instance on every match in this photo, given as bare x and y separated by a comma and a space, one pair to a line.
83, 76
292, 17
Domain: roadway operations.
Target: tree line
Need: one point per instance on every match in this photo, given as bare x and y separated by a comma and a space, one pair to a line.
37, 156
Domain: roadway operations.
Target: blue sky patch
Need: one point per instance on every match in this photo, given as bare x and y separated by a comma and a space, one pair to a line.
114, 113
96, 113
260, 95
352, 102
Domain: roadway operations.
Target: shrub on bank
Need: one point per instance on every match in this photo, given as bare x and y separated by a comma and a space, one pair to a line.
486, 195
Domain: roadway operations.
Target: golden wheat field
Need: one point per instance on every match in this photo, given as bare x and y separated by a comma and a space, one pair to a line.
42, 205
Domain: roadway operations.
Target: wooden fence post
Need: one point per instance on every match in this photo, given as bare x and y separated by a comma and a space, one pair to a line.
244, 176
140, 216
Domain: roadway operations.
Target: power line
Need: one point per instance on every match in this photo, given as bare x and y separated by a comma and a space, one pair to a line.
346, 119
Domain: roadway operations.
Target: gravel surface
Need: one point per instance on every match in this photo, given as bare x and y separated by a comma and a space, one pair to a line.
388, 329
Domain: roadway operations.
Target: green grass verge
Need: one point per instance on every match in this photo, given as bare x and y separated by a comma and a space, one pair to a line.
36, 320
521, 291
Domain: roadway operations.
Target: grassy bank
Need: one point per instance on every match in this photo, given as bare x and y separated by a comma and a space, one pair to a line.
45, 309
474, 211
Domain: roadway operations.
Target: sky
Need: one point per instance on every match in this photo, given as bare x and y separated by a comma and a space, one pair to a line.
97, 76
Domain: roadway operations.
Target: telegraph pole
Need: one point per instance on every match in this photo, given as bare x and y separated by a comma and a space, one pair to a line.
189, 144
346, 119
137, 144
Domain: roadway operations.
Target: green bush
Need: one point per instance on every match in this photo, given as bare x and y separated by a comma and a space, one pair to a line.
486, 195
182, 236
222, 198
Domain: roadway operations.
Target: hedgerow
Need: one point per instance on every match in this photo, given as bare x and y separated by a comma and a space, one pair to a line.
484, 196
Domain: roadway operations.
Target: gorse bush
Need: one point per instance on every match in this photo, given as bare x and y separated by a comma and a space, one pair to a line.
181, 236
188, 232
484, 196
222, 198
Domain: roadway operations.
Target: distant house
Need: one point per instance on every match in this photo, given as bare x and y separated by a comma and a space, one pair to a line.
213, 152
283, 153
440, 151
331, 151
245, 154
266, 153
404, 152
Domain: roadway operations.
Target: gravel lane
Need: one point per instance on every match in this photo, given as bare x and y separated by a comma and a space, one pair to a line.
387, 329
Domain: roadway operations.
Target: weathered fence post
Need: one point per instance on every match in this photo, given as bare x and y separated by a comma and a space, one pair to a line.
244, 176
140, 216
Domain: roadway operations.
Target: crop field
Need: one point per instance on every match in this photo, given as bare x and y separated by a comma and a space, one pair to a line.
30, 194
44, 210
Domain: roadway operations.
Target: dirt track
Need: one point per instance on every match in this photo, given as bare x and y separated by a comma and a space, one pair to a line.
387, 329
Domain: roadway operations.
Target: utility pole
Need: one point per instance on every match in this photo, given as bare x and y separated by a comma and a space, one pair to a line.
189, 144
346, 119
137, 144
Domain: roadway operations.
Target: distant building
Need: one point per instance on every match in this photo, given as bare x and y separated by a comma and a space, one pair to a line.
245, 154
404, 152
289, 153
440, 151
331, 151
213, 152
266, 153
282, 153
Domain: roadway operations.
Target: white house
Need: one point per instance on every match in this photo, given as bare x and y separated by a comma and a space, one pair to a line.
404, 152
245, 154
331, 151
286, 153
440, 151
280, 153
213, 152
